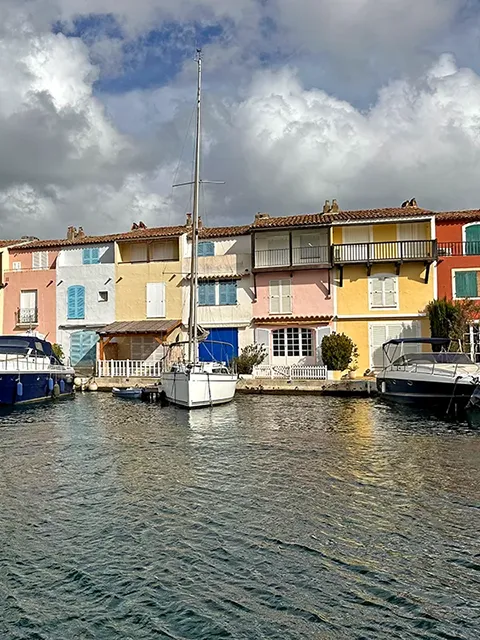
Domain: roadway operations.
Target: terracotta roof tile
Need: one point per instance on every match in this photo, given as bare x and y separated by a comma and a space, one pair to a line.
340, 217
222, 232
10, 243
468, 214
290, 319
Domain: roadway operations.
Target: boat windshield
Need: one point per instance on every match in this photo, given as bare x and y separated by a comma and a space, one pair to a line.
443, 357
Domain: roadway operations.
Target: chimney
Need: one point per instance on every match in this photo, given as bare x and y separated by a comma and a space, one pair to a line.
413, 203
142, 225
262, 216
404, 204
134, 226
335, 208
189, 220
80, 234
200, 223
71, 233
326, 207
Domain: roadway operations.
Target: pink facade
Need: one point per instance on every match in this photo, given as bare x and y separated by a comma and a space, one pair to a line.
30, 293
310, 293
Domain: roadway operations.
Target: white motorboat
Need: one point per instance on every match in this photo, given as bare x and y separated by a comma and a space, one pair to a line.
423, 371
191, 383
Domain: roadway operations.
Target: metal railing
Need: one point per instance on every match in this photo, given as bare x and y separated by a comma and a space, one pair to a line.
14, 362
27, 316
129, 368
385, 251
298, 257
293, 372
448, 249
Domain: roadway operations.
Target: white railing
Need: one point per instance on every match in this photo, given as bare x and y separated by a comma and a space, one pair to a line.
128, 369
293, 372
14, 362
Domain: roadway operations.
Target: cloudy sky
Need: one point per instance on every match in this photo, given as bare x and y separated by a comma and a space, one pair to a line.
366, 101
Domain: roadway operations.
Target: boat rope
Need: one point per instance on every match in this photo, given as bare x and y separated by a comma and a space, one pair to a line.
453, 394
209, 389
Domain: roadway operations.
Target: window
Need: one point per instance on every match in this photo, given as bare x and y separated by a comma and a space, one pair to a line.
167, 250
17, 266
40, 260
91, 255
227, 292
466, 284
381, 333
138, 253
103, 296
472, 239
155, 300
205, 249
28, 307
292, 342
383, 292
76, 302
280, 296
206, 294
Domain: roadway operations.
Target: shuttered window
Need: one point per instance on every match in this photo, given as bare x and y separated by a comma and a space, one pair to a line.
472, 240
381, 333
91, 255
383, 292
227, 292
76, 302
466, 284
206, 294
280, 296
83, 347
155, 300
205, 249
40, 260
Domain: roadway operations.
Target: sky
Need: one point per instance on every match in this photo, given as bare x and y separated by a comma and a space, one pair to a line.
370, 102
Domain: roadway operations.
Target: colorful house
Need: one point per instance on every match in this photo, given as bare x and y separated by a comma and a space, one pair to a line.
30, 294
293, 304
225, 291
458, 235
384, 276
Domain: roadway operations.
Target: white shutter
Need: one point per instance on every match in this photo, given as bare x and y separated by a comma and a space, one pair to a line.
376, 292
28, 300
274, 296
17, 266
40, 260
138, 253
155, 300
262, 336
320, 333
390, 292
163, 251
378, 336
412, 231
285, 296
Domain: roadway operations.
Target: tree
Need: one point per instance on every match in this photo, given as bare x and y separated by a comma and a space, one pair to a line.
451, 319
338, 352
58, 351
251, 356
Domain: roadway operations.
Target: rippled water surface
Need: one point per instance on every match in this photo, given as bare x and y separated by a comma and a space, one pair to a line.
271, 517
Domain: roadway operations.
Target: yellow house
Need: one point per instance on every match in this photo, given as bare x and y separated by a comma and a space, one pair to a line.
384, 275
148, 298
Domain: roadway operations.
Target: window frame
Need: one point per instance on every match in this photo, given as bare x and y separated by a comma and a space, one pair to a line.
384, 276
40, 267
203, 253
77, 315
100, 299
454, 287
293, 342
91, 252
281, 297
217, 292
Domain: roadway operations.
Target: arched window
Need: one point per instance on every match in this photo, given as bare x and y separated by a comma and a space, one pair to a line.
76, 302
471, 236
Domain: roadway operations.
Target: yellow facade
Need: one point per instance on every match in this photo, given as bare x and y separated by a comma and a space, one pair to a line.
355, 314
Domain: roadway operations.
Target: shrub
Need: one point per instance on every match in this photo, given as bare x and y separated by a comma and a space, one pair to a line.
451, 319
338, 352
251, 355
58, 351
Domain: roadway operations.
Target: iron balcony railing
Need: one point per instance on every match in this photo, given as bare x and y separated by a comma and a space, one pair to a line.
298, 256
399, 251
448, 249
27, 316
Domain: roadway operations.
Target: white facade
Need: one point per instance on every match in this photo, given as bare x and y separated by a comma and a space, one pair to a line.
231, 261
97, 277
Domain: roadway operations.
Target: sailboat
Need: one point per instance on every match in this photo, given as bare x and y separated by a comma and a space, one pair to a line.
191, 383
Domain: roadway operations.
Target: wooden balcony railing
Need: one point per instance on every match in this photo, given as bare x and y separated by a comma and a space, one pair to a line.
399, 251
297, 257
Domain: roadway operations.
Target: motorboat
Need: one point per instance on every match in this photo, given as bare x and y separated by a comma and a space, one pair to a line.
132, 393
190, 383
31, 372
425, 372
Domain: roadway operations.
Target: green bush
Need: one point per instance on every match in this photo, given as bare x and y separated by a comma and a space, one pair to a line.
451, 319
251, 355
339, 352
58, 351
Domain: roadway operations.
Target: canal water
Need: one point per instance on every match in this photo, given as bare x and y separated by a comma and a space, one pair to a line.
271, 517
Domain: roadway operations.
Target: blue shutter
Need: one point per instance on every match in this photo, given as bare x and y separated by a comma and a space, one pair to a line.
76, 302
202, 294
228, 292
83, 347
205, 249
86, 255
466, 284
91, 255
472, 237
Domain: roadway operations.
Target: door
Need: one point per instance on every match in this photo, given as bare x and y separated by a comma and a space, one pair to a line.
155, 300
472, 240
83, 348
357, 240
28, 307
214, 352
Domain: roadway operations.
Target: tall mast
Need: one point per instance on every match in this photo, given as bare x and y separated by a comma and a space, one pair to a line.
192, 318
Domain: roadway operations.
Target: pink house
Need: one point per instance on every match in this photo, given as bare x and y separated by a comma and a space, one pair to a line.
293, 298
30, 292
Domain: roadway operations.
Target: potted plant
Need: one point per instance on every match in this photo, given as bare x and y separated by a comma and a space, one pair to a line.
339, 353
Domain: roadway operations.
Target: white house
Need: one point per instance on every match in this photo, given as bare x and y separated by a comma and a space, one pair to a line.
225, 290
85, 297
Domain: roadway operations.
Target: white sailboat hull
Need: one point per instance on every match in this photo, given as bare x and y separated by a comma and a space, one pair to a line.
198, 389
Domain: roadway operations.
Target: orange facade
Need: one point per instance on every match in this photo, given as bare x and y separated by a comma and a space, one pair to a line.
456, 253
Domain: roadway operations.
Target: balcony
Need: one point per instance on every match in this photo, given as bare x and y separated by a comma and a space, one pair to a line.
298, 257
26, 316
456, 249
371, 252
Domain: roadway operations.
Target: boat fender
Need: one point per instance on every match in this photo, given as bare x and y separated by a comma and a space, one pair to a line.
62, 386
50, 384
19, 389
77, 382
93, 386
56, 390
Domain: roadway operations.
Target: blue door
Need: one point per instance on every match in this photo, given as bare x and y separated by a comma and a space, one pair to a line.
83, 348
213, 352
